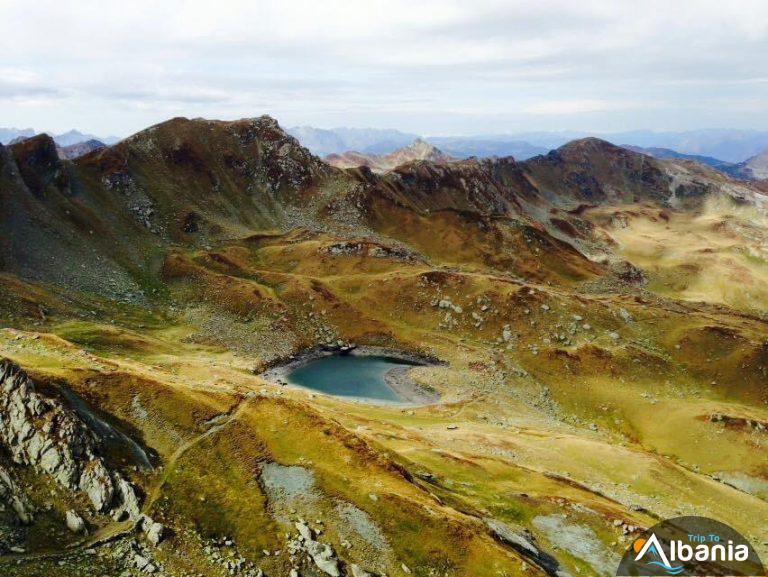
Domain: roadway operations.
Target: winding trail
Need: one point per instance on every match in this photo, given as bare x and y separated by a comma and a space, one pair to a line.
116, 530
156, 489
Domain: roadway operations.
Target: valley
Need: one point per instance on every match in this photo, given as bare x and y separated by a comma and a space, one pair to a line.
596, 317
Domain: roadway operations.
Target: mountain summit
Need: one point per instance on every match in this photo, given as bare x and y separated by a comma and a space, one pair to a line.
419, 149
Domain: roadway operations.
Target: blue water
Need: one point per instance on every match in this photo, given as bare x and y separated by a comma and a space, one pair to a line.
349, 376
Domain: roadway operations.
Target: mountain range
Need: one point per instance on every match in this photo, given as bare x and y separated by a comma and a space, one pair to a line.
64, 139
754, 168
728, 146
585, 331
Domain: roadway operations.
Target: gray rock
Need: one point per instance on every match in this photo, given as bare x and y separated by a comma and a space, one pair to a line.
15, 497
304, 530
523, 544
45, 434
323, 556
140, 561
126, 501
357, 571
155, 532
625, 315
75, 522
96, 482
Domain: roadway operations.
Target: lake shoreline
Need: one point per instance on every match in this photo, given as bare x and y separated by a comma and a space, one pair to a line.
397, 379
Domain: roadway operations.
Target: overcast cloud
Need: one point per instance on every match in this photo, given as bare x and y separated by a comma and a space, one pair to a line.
430, 67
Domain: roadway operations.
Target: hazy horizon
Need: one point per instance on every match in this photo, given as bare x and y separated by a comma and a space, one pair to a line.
533, 132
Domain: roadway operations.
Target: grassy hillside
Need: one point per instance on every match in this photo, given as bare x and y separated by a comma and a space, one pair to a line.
603, 348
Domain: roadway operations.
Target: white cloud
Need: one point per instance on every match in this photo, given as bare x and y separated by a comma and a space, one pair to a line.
584, 106
474, 66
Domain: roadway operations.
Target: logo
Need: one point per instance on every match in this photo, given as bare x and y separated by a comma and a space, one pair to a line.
695, 546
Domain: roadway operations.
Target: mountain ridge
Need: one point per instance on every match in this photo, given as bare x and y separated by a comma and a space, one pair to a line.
569, 298
195, 181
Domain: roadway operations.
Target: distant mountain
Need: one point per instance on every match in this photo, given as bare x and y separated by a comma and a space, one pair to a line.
68, 152
72, 137
9, 134
418, 150
368, 140
727, 145
755, 168
465, 147
377, 141
668, 153
80, 149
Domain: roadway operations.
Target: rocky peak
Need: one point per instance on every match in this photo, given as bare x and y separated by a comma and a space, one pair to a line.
425, 150
38, 152
38, 162
594, 170
419, 150
586, 148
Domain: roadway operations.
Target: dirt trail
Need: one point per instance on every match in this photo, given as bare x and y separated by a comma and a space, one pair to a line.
156, 489
116, 530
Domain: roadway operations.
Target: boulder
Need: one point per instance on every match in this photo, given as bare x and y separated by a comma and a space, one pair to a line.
126, 501
324, 557
155, 532
75, 522
358, 571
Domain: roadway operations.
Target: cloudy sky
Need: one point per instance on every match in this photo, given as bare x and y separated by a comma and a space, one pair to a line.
431, 67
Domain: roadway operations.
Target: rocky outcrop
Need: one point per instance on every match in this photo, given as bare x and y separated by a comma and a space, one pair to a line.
43, 433
126, 503
11, 495
321, 554
155, 532
523, 543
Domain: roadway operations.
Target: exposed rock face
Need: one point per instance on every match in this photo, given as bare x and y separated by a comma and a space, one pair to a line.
13, 496
524, 545
126, 502
96, 482
487, 188
43, 433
